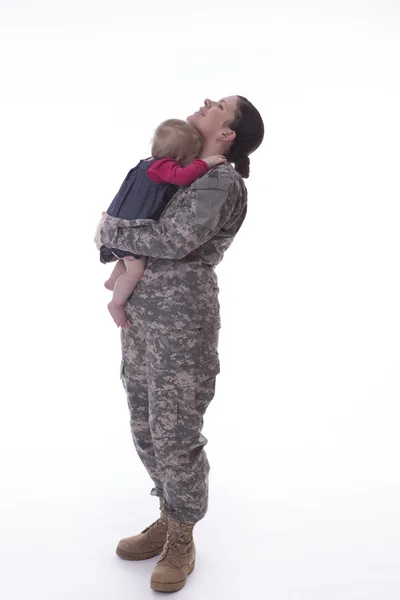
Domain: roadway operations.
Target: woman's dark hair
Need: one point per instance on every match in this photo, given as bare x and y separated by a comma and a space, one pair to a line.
249, 128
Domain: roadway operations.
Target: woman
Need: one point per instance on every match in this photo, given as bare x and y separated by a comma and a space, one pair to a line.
170, 354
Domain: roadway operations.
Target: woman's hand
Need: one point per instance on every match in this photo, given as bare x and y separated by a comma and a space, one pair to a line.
97, 235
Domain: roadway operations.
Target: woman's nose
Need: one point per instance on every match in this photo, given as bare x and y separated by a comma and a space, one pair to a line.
207, 102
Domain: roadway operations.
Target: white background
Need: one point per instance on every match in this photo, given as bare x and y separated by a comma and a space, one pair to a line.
304, 429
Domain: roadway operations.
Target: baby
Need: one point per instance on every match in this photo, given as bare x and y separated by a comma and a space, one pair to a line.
145, 193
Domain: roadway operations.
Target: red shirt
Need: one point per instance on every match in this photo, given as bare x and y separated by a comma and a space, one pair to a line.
168, 170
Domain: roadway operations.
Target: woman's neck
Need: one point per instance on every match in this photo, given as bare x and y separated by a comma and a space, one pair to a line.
212, 147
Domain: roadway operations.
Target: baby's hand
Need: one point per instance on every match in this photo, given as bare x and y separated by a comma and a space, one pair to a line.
213, 161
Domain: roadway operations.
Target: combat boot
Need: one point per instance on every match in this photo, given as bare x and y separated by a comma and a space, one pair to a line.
147, 544
177, 560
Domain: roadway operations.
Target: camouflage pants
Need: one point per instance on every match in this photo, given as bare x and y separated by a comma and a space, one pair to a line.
169, 377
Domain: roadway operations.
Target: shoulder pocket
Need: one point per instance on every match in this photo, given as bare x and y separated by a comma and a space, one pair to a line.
211, 193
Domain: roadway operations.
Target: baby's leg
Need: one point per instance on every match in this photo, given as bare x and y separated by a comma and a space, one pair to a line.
117, 271
124, 287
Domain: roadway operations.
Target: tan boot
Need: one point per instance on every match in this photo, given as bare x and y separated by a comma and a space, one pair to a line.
177, 560
147, 544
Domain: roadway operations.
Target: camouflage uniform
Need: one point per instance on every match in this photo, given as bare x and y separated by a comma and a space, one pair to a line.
170, 354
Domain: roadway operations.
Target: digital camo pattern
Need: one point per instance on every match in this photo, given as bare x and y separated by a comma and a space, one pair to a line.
180, 285
169, 378
170, 354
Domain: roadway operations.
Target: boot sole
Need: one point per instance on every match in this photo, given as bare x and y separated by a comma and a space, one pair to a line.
159, 586
143, 556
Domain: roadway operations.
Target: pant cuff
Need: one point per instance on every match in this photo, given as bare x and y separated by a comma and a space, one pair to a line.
156, 492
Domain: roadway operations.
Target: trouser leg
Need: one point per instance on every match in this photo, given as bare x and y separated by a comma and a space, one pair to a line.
134, 379
182, 371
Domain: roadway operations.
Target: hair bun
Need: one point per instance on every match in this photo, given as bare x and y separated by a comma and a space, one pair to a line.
242, 166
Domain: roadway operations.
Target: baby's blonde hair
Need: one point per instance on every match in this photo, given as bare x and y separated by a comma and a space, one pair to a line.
176, 139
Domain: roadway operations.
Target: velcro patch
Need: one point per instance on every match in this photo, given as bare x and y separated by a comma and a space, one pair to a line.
211, 193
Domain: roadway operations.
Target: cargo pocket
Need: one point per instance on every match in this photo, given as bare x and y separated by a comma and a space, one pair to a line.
122, 375
177, 348
183, 358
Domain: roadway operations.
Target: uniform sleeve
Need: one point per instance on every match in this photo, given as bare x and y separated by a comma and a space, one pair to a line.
193, 217
168, 170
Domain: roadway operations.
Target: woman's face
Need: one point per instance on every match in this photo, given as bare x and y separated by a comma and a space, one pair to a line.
211, 118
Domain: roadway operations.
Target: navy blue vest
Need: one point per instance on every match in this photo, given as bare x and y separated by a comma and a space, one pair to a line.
138, 198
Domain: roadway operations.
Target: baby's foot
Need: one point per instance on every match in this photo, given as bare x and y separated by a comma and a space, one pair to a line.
118, 314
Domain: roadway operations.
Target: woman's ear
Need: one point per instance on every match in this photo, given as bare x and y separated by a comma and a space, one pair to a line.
227, 135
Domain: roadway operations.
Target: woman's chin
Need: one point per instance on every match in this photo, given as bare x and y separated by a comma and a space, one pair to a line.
194, 118
195, 121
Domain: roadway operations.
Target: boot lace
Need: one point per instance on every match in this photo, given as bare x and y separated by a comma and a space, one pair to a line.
179, 536
154, 526
172, 548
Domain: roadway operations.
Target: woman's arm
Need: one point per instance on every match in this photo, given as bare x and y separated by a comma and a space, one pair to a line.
194, 216
99, 227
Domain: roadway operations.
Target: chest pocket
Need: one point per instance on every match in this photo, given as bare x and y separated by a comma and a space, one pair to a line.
211, 194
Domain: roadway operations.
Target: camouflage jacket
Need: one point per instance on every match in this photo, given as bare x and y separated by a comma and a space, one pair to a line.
179, 287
